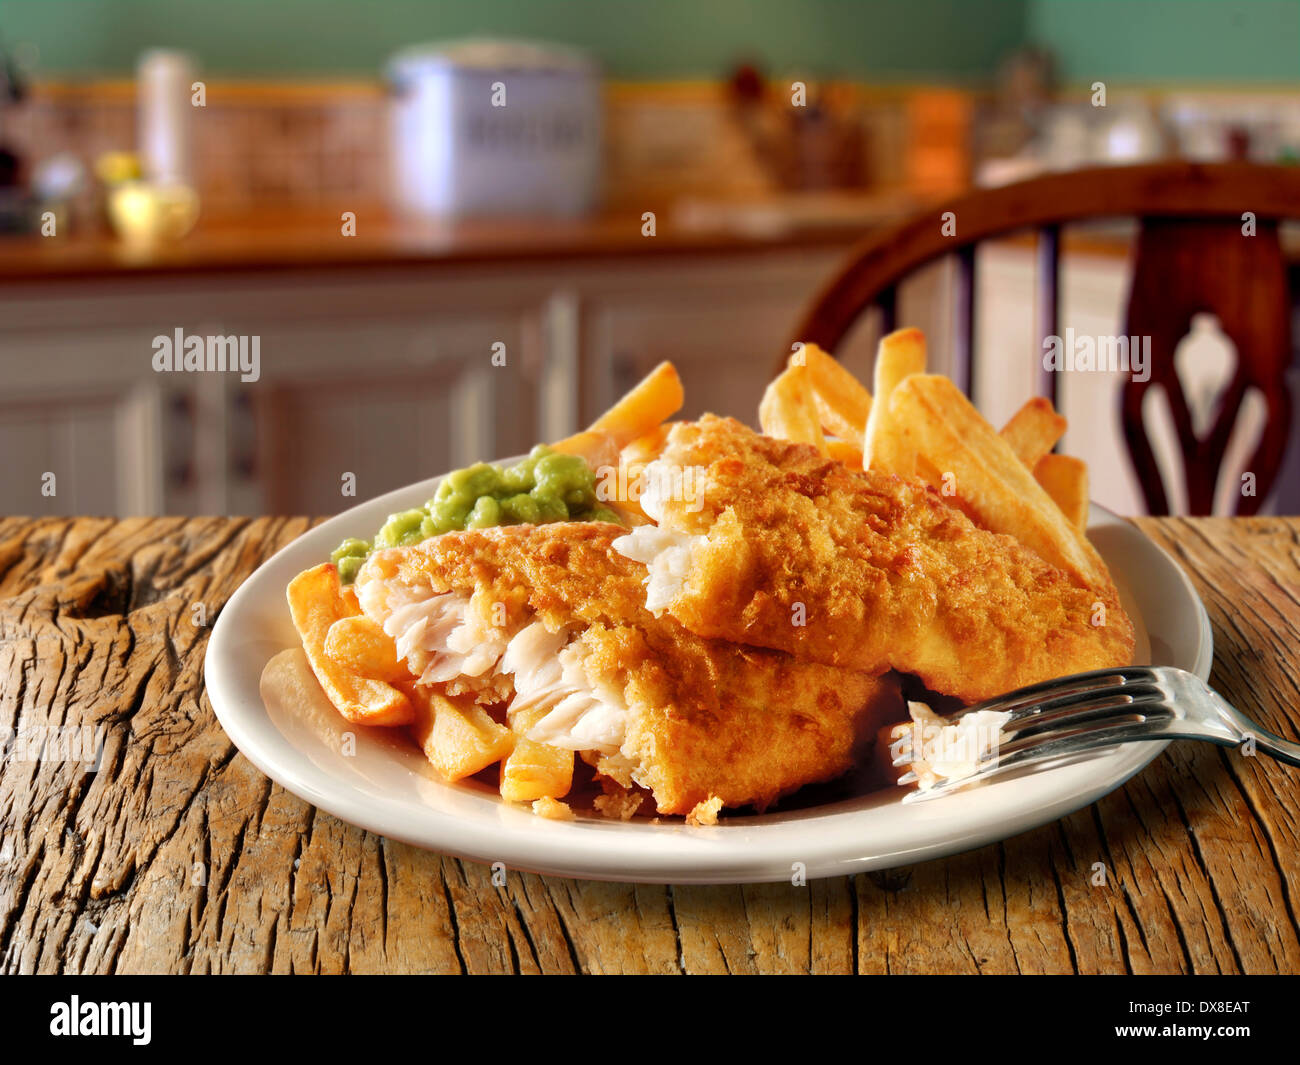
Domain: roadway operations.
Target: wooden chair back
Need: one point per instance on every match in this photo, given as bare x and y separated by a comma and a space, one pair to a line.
1208, 242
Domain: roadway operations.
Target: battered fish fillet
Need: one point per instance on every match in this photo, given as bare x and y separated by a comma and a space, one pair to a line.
770, 543
554, 619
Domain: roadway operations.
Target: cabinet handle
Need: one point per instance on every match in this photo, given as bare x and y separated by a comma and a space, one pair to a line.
624, 370
243, 436
179, 436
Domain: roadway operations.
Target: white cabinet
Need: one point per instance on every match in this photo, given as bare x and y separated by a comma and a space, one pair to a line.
393, 383
391, 376
724, 324
79, 424
73, 455
384, 378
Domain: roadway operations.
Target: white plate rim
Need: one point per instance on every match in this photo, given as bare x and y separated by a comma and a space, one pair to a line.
825, 841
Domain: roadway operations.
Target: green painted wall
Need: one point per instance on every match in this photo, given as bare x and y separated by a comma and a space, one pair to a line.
1227, 41
636, 39
1164, 41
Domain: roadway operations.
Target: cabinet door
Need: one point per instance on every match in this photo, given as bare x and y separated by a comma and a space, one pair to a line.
80, 418
386, 401
60, 457
324, 444
723, 325
725, 359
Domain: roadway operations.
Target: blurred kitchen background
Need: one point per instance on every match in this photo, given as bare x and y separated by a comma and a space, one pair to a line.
331, 178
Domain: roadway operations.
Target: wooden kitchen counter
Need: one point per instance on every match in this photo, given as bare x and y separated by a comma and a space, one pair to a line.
180, 856
276, 241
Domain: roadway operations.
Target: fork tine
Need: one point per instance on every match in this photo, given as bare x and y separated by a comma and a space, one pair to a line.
1107, 702
1054, 744
1062, 687
1084, 729
1068, 715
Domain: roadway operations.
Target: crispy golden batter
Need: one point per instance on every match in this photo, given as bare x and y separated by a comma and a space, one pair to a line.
561, 572
741, 724
871, 572
707, 719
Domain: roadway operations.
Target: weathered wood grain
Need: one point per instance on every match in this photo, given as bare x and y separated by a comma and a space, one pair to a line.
179, 856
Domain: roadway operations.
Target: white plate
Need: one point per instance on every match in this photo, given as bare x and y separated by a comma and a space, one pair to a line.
387, 787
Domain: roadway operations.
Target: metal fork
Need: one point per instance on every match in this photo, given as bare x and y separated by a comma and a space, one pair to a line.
1068, 716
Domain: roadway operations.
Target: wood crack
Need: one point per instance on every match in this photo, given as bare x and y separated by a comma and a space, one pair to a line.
451, 916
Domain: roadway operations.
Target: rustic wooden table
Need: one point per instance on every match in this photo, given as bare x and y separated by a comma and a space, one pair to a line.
179, 856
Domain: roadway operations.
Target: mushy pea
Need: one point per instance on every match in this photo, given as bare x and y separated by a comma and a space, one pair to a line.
546, 486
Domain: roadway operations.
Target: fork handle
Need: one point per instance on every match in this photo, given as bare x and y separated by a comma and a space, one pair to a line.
1283, 750
1270, 743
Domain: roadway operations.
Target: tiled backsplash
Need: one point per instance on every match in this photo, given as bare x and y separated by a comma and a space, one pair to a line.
273, 147
257, 147
268, 147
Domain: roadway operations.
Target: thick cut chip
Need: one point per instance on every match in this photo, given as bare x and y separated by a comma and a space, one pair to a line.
358, 644
655, 399
842, 403
1034, 430
536, 771
1065, 479
990, 482
786, 410
316, 604
457, 735
596, 446
845, 453
900, 355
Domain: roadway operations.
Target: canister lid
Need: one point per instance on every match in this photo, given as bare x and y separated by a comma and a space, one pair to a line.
489, 54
